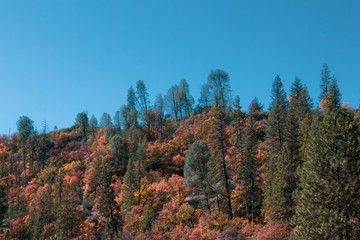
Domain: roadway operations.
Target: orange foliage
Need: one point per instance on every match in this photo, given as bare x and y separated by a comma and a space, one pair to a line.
273, 231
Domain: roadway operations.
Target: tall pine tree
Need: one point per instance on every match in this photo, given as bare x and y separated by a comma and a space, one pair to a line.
327, 200
219, 172
275, 139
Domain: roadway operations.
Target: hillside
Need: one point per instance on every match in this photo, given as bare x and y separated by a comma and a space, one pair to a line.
172, 170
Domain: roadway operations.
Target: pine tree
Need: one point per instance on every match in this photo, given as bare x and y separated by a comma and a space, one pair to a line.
134, 171
26, 129
43, 149
275, 139
284, 180
195, 169
325, 81
327, 200
42, 214
105, 197
82, 122
65, 214
219, 172
276, 121
143, 103
93, 124
129, 188
248, 173
255, 106
334, 96
119, 150
117, 121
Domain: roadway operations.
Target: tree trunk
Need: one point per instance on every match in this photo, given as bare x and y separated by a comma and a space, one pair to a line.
24, 162
226, 177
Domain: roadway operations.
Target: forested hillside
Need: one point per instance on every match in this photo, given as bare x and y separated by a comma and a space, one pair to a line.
176, 169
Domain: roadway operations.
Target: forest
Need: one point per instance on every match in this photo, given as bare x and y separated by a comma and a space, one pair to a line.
184, 169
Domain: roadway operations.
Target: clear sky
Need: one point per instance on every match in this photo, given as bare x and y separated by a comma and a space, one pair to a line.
61, 57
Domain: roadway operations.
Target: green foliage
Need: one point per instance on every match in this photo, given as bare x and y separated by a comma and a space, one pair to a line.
119, 149
66, 217
105, 198
334, 97
118, 184
275, 139
220, 87
325, 81
255, 106
144, 103
93, 121
25, 129
205, 95
327, 198
129, 185
218, 169
42, 214
248, 172
184, 98
195, 169
277, 114
284, 180
44, 146
148, 218
82, 122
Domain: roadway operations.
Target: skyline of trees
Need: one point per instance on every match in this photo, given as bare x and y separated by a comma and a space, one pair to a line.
181, 171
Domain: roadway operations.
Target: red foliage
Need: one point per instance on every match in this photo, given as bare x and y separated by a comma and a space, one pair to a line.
272, 231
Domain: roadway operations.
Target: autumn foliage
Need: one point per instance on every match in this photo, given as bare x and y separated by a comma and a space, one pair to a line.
213, 172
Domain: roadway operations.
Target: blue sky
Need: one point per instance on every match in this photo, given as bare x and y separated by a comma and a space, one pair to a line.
59, 57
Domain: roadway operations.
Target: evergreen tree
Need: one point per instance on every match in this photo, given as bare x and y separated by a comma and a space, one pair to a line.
43, 149
218, 169
42, 214
134, 171
105, 121
330, 94
117, 121
334, 96
105, 198
131, 98
25, 130
255, 106
327, 200
143, 103
325, 81
249, 171
66, 218
82, 122
300, 101
93, 124
129, 185
276, 121
284, 180
275, 138
195, 169
119, 149
128, 112
148, 218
